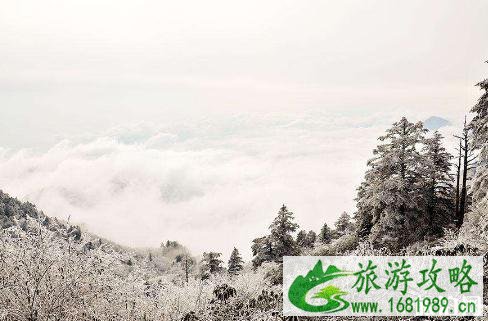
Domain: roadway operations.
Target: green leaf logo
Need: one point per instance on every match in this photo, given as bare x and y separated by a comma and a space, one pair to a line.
332, 294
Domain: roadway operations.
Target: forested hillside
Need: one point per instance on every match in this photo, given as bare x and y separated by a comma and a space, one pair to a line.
415, 199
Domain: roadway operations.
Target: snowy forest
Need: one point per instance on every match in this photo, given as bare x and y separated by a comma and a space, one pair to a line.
415, 199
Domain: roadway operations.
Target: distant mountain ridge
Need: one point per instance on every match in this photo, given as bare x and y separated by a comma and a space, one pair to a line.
434, 123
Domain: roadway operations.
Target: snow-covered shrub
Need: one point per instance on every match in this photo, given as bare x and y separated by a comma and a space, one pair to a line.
367, 249
339, 246
475, 227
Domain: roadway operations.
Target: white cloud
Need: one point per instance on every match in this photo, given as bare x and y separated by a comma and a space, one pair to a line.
211, 185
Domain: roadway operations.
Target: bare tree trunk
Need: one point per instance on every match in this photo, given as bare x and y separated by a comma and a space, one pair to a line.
458, 177
464, 192
186, 268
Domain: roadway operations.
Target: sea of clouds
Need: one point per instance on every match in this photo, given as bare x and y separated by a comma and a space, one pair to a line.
210, 184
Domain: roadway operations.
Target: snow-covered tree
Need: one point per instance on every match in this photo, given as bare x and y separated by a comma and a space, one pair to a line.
262, 250
325, 235
438, 185
311, 238
306, 239
235, 264
343, 225
210, 264
301, 238
479, 126
186, 264
279, 243
392, 192
281, 236
366, 211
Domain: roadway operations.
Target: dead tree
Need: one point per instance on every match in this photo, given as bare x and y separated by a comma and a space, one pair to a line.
187, 268
468, 159
458, 176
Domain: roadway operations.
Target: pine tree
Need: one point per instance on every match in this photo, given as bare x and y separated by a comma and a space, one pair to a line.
262, 251
343, 224
281, 235
235, 264
325, 235
210, 264
366, 211
438, 188
479, 126
302, 238
306, 239
311, 238
391, 194
279, 243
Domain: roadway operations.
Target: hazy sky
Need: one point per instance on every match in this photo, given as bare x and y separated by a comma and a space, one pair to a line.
150, 120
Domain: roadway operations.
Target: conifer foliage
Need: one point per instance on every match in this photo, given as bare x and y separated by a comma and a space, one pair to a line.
406, 187
343, 224
311, 238
281, 234
306, 239
325, 235
301, 238
262, 250
479, 127
210, 264
280, 242
235, 264
438, 187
